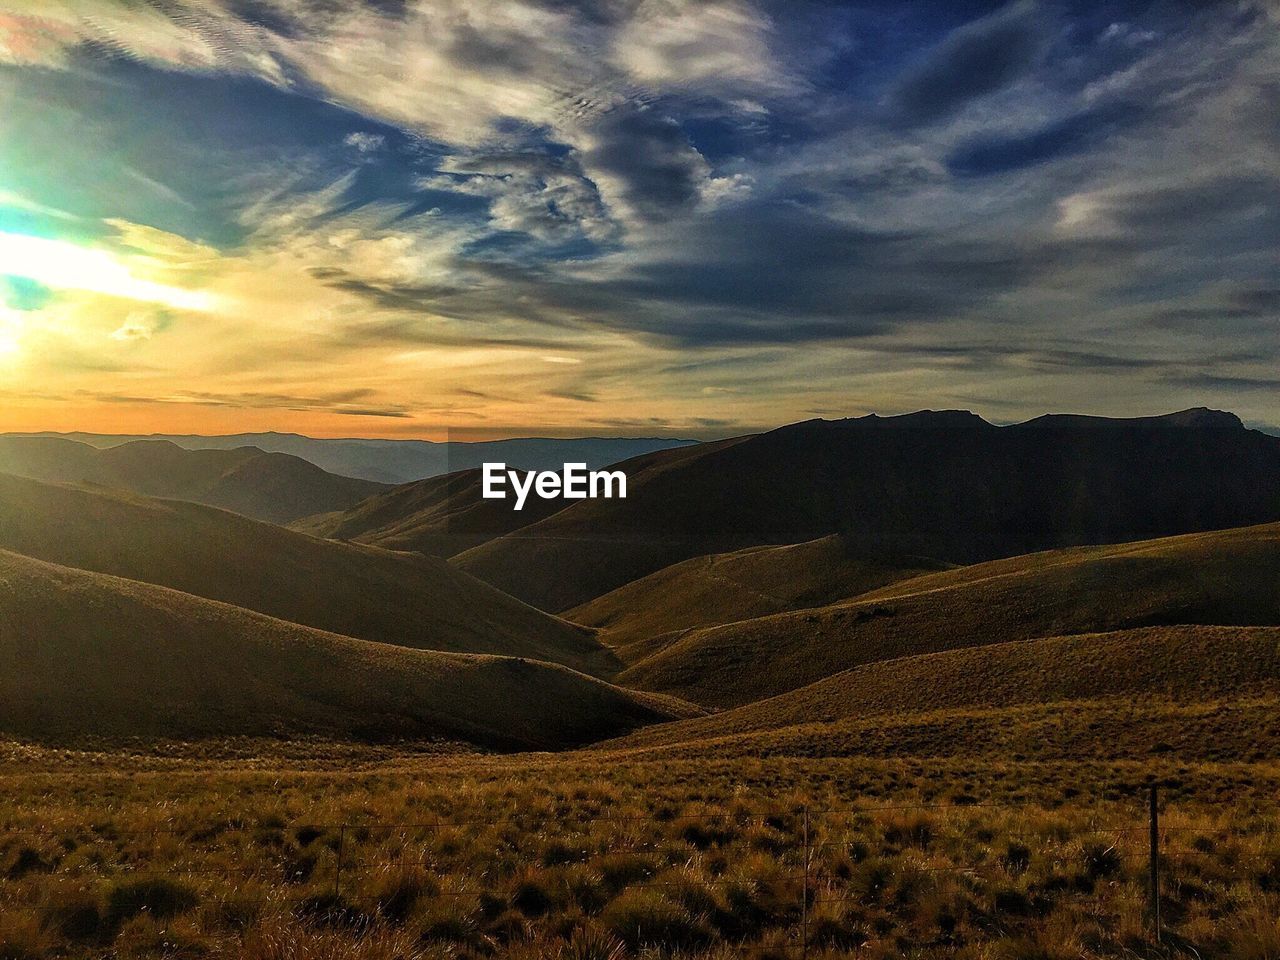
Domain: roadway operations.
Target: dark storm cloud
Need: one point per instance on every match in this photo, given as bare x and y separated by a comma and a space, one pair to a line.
975, 60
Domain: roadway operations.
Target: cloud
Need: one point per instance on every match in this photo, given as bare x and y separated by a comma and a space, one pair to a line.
139, 326
365, 142
975, 60
543, 195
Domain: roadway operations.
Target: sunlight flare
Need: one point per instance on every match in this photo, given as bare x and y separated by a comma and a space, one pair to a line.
68, 266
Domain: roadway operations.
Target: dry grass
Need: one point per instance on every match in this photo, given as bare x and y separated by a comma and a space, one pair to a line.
645, 616
1169, 672
612, 857
117, 658
354, 590
1227, 577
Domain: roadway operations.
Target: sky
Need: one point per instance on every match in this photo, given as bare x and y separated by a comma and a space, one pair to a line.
412, 218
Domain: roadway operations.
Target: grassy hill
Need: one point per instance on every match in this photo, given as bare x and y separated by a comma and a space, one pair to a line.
440, 516
104, 657
1178, 664
267, 486
945, 485
639, 618
360, 591
1229, 577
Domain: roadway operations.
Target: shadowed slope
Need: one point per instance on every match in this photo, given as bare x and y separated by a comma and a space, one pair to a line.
1182, 664
944, 485
360, 591
98, 656
1229, 577
440, 516
640, 618
267, 486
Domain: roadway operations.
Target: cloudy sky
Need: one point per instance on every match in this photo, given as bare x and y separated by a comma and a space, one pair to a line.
676, 217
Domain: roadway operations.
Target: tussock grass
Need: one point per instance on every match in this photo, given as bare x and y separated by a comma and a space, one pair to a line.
587, 856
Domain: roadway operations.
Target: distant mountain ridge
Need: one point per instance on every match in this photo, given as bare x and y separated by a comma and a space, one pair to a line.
274, 487
946, 485
402, 461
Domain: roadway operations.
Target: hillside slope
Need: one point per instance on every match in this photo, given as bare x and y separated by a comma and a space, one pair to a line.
441, 516
1184, 664
944, 485
359, 591
639, 618
1229, 577
266, 486
104, 657
1180, 694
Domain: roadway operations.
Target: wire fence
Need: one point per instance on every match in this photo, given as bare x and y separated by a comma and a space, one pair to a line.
818, 857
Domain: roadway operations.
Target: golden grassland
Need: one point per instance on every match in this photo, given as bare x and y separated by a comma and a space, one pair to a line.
93, 653
1138, 675
1225, 577
607, 855
355, 590
642, 617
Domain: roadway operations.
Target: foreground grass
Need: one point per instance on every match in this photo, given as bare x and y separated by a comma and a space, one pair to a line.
610, 856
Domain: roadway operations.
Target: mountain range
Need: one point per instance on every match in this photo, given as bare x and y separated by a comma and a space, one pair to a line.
948, 486
876, 585
402, 461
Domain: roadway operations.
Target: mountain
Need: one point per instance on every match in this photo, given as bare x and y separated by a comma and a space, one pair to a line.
646, 614
1229, 577
358, 591
102, 657
440, 516
266, 486
401, 461
1196, 692
945, 485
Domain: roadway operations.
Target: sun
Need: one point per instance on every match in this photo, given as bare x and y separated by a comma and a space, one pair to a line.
67, 266
10, 334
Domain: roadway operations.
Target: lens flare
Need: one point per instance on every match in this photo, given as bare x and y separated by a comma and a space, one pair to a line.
67, 266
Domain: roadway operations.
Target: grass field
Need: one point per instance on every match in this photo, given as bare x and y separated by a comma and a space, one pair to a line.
598, 855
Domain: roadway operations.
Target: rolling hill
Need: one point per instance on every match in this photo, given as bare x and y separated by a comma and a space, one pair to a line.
945, 485
359, 591
274, 487
639, 618
1182, 664
1174, 694
1229, 578
102, 657
440, 516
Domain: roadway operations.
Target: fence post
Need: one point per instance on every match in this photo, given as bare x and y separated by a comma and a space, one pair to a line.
804, 892
1154, 854
337, 873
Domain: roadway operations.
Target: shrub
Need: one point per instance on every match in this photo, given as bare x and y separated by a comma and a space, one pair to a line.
592, 944
331, 910
158, 896
642, 917
1100, 861
27, 861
